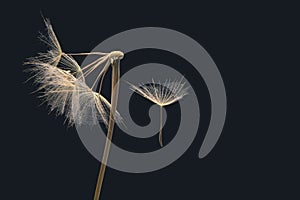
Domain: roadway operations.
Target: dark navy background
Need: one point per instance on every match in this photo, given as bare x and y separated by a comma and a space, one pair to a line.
251, 43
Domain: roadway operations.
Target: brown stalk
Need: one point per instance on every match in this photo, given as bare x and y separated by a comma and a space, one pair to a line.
114, 99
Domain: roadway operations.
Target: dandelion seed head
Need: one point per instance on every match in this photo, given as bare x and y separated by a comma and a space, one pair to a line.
61, 82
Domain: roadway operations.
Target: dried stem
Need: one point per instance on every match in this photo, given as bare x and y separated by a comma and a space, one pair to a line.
114, 99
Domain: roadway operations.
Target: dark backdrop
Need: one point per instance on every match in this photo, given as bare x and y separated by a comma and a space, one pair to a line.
256, 156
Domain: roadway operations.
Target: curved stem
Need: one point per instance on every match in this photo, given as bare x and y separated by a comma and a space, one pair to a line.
160, 126
114, 99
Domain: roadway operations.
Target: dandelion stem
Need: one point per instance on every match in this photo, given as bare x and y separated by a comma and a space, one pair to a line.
114, 99
90, 53
160, 126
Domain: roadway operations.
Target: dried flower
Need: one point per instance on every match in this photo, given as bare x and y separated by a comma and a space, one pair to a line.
62, 83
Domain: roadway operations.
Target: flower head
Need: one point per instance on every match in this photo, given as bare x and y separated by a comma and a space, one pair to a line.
62, 83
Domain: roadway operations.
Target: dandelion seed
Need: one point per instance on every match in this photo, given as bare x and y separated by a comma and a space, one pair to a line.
163, 94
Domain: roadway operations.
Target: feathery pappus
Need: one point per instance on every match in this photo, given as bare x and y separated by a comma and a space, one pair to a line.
62, 82
162, 94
